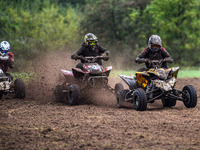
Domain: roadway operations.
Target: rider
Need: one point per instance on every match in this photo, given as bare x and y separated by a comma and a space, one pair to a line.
154, 51
90, 48
6, 58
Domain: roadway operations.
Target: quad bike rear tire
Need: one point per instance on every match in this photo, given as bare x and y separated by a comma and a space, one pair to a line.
121, 97
73, 94
189, 96
59, 95
19, 88
140, 99
118, 87
168, 102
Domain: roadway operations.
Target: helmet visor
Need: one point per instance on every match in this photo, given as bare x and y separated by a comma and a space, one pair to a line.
3, 52
155, 46
91, 43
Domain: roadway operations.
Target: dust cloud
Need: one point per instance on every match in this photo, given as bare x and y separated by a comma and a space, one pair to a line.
48, 75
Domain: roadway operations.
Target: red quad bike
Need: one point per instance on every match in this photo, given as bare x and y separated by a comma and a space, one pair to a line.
17, 89
91, 76
154, 84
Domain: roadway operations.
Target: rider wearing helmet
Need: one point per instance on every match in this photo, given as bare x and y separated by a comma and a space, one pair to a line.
90, 48
6, 57
154, 51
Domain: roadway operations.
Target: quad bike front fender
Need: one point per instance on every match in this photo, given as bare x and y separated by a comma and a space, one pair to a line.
77, 72
107, 70
174, 72
67, 74
130, 81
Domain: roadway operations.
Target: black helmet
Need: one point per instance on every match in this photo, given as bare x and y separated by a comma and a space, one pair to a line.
154, 43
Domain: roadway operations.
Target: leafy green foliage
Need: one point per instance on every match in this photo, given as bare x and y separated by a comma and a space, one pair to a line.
177, 22
128, 25
112, 22
122, 26
36, 27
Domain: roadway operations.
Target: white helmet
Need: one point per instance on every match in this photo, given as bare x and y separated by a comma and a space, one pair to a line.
5, 46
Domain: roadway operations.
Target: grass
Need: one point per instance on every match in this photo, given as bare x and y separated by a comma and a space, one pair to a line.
115, 73
189, 73
25, 76
186, 73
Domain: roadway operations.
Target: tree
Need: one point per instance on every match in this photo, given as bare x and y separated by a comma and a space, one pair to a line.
177, 22
111, 21
36, 27
108, 18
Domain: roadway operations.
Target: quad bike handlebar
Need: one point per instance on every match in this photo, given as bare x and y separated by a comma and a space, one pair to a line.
91, 59
156, 63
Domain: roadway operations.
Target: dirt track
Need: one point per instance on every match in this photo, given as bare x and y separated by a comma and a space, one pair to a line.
40, 123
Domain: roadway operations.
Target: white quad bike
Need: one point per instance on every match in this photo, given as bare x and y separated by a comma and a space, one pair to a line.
6, 83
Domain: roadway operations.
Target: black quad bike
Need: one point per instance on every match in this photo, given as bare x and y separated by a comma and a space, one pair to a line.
154, 84
16, 89
90, 76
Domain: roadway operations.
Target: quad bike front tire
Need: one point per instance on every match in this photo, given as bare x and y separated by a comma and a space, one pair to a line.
140, 99
19, 88
190, 96
121, 97
168, 102
118, 87
73, 94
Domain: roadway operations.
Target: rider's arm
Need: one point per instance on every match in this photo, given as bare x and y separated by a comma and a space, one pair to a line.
78, 53
11, 60
167, 57
141, 60
103, 50
142, 57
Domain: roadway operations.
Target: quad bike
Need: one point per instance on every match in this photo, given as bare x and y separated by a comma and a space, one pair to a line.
6, 84
90, 76
154, 84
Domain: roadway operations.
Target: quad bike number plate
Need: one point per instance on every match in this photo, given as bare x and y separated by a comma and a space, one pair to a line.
4, 85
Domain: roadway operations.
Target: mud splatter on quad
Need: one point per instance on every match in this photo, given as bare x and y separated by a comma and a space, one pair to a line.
154, 84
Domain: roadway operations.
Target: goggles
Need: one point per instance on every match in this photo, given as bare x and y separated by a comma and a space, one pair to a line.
155, 46
91, 43
3, 51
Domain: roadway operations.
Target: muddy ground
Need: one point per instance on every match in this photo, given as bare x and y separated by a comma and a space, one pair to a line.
38, 122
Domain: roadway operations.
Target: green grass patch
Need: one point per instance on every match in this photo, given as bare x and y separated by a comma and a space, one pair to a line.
26, 77
189, 73
181, 74
122, 72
